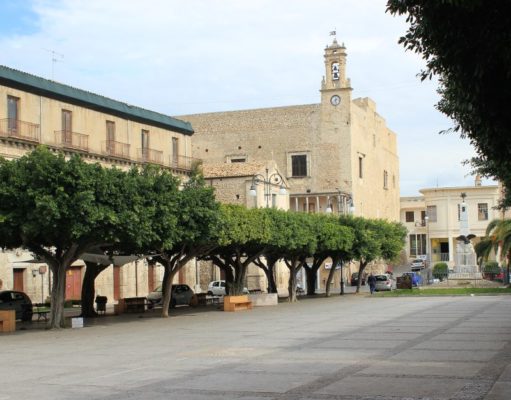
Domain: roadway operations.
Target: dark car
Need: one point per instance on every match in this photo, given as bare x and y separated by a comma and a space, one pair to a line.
181, 295
354, 279
17, 301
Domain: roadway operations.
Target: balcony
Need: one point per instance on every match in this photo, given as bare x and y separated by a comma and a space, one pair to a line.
150, 156
183, 162
115, 149
13, 128
72, 140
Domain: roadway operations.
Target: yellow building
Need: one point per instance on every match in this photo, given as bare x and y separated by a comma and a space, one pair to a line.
36, 111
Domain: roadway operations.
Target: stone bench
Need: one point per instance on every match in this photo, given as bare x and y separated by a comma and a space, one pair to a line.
237, 303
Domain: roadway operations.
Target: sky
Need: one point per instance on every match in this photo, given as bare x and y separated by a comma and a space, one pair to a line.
193, 56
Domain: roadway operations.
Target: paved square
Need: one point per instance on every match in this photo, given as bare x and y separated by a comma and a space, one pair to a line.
338, 348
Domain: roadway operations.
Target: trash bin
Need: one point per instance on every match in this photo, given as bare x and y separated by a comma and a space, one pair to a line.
101, 304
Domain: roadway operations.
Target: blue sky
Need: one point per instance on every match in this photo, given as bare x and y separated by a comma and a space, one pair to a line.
182, 57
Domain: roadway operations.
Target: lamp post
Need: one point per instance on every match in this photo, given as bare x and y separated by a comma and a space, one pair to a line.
428, 261
267, 180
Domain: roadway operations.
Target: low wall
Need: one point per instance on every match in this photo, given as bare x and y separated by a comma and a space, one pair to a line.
264, 299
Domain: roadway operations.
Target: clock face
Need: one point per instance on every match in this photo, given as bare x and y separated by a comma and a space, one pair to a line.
335, 100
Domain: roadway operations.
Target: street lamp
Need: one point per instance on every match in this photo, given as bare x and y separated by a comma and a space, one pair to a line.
267, 181
426, 222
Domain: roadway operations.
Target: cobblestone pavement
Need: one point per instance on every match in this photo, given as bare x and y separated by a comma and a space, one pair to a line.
342, 348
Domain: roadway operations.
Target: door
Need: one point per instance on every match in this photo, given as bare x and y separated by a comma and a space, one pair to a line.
12, 114
67, 128
175, 152
74, 283
18, 279
144, 138
117, 282
110, 137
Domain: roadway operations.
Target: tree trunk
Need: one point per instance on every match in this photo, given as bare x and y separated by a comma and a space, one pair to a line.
330, 276
342, 278
168, 277
312, 278
292, 283
58, 295
92, 271
361, 269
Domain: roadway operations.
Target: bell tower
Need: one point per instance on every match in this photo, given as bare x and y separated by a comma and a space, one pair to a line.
335, 87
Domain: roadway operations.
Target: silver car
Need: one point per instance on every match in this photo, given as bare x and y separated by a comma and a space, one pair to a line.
384, 282
181, 295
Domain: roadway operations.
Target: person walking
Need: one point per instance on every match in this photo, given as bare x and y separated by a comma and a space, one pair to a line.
372, 283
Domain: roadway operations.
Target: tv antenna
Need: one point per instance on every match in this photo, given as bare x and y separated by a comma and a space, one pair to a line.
55, 58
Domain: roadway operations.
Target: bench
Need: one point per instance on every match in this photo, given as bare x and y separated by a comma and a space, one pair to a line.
42, 311
132, 304
237, 303
7, 321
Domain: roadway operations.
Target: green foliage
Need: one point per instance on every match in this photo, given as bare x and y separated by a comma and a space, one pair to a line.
466, 44
491, 267
440, 271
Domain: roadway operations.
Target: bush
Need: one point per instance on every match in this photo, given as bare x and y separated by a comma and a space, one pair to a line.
491, 270
440, 271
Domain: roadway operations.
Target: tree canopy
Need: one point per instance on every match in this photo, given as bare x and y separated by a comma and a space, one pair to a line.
466, 44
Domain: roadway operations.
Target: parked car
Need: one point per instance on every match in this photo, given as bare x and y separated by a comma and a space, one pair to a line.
181, 295
17, 301
384, 282
416, 278
217, 288
354, 279
418, 264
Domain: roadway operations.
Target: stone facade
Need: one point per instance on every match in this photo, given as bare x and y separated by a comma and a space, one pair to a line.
342, 148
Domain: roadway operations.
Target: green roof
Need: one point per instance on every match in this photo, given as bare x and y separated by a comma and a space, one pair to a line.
44, 87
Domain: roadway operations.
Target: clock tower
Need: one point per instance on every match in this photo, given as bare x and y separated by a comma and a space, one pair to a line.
335, 87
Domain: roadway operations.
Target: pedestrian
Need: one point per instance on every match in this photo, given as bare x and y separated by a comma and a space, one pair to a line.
372, 283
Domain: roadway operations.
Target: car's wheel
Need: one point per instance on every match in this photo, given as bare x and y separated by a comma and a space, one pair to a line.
27, 316
173, 303
210, 293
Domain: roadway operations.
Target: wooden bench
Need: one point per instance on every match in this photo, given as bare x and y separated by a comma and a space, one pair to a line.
7, 321
237, 303
132, 304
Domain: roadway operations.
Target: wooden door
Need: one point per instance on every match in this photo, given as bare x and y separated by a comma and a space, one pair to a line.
67, 127
74, 283
117, 282
18, 279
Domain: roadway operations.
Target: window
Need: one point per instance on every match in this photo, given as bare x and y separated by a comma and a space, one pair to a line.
360, 167
482, 211
417, 245
299, 165
385, 180
409, 216
175, 151
12, 113
238, 160
274, 200
423, 217
431, 213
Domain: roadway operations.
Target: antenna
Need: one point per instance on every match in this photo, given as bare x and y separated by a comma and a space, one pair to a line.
55, 57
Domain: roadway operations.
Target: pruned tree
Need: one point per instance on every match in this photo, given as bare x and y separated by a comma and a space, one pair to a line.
59, 209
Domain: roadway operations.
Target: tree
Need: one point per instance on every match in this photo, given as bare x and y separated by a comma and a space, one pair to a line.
294, 238
466, 44
242, 237
59, 209
197, 214
498, 240
334, 241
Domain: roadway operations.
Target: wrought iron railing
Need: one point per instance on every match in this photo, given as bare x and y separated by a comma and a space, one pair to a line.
17, 129
183, 162
72, 140
150, 156
115, 149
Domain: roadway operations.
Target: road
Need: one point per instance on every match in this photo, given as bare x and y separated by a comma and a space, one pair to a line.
355, 347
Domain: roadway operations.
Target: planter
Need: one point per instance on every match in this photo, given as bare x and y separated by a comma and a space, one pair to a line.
264, 299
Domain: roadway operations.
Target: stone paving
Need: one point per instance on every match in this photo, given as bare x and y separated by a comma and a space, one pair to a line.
338, 348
